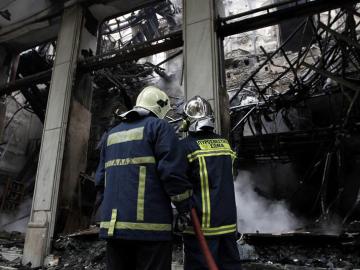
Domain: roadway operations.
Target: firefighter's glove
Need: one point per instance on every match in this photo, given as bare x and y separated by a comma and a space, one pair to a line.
182, 221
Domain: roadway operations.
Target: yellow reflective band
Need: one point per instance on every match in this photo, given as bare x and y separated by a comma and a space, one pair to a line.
202, 185
182, 196
135, 134
207, 194
112, 222
210, 153
213, 231
128, 161
213, 144
137, 226
141, 194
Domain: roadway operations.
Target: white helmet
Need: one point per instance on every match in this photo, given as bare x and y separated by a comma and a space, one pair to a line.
199, 114
155, 100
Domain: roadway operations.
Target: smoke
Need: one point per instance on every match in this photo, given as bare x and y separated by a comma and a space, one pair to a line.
258, 214
331, 225
16, 220
171, 82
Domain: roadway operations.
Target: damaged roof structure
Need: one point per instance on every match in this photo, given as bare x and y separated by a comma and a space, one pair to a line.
282, 77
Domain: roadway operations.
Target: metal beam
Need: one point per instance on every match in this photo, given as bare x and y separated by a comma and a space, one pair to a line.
266, 61
27, 81
275, 17
165, 43
332, 76
174, 40
340, 36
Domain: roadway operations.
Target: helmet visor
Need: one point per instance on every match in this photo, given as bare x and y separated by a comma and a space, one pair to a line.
196, 108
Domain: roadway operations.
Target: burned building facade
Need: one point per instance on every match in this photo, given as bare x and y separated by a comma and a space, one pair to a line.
282, 77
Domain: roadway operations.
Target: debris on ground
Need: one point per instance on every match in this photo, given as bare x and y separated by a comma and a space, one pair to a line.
79, 253
11, 246
300, 250
81, 250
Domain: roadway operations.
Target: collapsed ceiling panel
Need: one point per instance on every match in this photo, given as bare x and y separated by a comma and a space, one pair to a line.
24, 24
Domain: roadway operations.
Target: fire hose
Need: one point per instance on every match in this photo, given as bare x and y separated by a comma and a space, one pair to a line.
202, 241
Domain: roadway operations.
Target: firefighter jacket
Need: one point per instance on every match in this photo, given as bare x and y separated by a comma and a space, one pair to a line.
142, 171
210, 170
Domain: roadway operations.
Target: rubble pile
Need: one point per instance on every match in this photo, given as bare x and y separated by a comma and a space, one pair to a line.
83, 250
69, 252
11, 245
305, 250
78, 253
326, 257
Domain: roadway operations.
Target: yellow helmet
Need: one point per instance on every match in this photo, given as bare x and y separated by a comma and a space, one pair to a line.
155, 100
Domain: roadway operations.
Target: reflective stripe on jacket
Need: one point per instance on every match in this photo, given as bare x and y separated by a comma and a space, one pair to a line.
210, 170
142, 170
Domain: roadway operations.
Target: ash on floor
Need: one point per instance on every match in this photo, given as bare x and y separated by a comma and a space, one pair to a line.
302, 249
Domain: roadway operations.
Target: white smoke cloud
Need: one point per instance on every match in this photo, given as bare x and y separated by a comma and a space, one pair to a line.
172, 85
258, 214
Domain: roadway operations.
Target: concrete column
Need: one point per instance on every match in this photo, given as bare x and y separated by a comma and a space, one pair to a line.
45, 199
69, 216
203, 53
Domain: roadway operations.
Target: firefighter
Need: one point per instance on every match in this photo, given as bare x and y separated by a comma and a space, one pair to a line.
210, 170
141, 171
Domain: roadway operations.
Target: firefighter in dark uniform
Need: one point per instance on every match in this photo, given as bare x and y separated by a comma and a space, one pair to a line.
141, 171
210, 170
